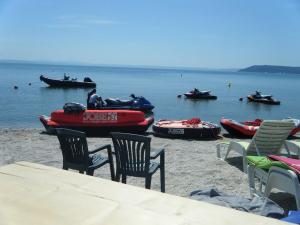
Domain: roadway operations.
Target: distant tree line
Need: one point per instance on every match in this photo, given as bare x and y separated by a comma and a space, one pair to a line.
271, 69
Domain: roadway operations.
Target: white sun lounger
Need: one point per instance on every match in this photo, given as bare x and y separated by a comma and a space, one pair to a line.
268, 139
261, 182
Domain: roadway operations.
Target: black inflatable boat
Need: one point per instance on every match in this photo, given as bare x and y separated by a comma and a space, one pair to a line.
63, 83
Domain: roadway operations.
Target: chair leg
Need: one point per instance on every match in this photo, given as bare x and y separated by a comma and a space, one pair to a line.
112, 171
245, 162
90, 172
221, 146
148, 182
111, 165
118, 176
162, 173
65, 167
124, 178
251, 180
227, 152
162, 180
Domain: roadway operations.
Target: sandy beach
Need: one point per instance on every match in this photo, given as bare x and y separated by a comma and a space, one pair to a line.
190, 164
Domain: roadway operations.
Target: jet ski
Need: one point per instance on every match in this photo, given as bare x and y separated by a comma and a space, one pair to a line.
135, 103
266, 99
196, 94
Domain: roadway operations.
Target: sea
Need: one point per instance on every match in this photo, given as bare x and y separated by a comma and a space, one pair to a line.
21, 107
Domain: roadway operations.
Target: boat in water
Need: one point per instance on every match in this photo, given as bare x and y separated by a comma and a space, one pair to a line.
186, 129
196, 94
67, 83
135, 103
247, 129
97, 122
266, 99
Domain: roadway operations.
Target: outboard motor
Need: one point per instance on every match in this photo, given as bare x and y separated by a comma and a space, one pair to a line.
73, 107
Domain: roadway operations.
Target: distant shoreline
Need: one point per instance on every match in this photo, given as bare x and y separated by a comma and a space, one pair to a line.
271, 69
180, 69
123, 66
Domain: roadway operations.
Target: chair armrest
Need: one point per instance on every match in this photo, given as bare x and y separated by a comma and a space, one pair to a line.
108, 147
110, 158
154, 153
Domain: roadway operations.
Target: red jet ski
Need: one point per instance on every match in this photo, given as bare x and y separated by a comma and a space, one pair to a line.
97, 122
248, 128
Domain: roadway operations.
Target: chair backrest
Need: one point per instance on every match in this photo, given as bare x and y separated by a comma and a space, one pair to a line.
270, 137
132, 153
74, 148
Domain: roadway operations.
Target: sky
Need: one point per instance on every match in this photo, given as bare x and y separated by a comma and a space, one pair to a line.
174, 33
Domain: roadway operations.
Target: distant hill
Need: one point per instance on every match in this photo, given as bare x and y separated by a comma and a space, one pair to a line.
271, 69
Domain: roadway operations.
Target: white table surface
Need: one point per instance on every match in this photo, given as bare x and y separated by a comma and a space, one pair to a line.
37, 194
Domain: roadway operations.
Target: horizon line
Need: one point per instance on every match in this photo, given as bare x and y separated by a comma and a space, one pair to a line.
55, 63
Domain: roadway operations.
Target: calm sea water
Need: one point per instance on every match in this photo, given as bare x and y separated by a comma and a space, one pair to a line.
22, 107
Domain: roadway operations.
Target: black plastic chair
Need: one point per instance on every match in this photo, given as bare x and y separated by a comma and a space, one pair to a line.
76, 155
133, 154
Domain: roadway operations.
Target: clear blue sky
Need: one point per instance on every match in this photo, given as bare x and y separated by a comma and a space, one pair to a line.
189, 33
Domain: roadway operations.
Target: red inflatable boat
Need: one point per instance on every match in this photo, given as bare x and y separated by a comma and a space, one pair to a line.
98, 122
192, 129
248, 128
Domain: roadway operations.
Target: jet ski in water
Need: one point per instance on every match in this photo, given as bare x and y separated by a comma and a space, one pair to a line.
196, 94
266, 99
97, 122
135, 103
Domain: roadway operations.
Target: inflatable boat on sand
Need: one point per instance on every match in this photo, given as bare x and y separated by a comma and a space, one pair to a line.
98, 122
248, 128
193, 129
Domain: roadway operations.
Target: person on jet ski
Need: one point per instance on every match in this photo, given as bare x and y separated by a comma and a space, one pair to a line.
133, 96
257, 93
66, 77
94, 101
196, 90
